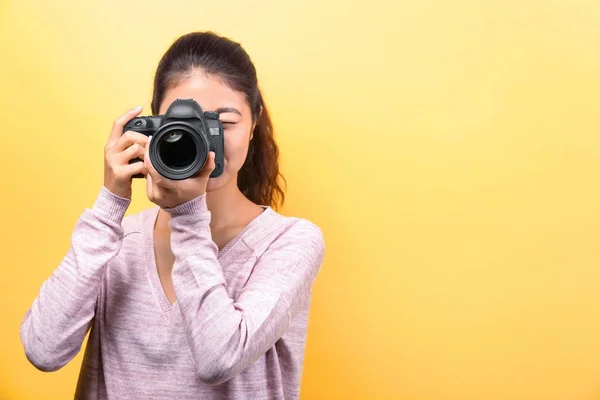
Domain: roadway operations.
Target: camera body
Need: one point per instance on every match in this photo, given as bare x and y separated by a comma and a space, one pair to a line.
181, 140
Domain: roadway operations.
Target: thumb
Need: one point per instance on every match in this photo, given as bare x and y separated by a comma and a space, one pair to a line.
210, 165
149, 187
119, 124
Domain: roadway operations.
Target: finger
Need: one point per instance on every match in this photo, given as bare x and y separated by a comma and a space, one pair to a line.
136, 168
147, 151
151, 170
133, 151
117, 129
210, 165
129, 138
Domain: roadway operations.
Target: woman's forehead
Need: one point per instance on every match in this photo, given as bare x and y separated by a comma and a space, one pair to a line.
209, 92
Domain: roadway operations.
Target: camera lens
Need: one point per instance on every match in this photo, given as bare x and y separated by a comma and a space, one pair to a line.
177, 149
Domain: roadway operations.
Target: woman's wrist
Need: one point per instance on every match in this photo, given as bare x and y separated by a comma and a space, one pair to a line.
197, 205
110, 205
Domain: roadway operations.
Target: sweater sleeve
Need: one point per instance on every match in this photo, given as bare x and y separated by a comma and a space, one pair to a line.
227, 335
53, 328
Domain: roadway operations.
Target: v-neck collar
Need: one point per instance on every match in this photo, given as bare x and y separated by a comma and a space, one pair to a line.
255, 221
148, 225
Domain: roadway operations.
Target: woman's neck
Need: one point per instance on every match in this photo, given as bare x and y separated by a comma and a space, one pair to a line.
227, 206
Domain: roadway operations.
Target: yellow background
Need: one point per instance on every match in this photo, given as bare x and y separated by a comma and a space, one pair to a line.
448, 149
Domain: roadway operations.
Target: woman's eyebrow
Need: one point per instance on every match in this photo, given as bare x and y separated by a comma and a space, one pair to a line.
222, 110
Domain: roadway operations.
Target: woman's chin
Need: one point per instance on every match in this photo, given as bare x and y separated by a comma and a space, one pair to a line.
216, 183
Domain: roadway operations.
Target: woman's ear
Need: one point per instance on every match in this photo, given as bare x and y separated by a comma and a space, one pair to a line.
255, 122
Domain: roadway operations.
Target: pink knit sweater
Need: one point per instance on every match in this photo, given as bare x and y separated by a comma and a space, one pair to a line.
237, 330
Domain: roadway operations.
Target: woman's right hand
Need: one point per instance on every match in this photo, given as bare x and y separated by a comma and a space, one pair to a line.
120, 148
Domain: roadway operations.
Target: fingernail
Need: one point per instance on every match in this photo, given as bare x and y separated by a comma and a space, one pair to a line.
138, 108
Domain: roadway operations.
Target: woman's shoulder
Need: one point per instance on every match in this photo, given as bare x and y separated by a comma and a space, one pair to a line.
275, 229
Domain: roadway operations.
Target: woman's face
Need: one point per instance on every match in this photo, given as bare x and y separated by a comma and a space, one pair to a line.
212, 95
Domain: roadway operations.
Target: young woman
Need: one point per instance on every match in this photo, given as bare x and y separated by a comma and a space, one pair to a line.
206, 295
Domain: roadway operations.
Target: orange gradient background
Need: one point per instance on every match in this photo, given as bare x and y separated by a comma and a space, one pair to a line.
449, 150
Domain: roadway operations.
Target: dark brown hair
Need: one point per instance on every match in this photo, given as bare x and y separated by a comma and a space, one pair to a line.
214, 55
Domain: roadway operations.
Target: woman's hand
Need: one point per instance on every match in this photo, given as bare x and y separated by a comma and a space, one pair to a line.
168, 193
120, 148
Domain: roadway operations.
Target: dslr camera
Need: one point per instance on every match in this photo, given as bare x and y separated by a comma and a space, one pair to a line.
181, 140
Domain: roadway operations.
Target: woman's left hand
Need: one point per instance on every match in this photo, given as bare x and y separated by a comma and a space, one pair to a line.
168, 193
